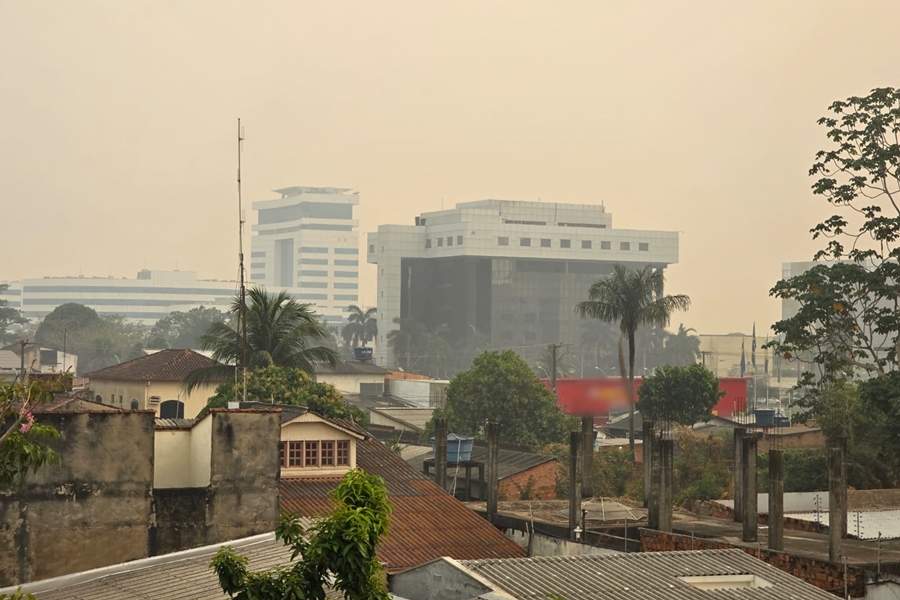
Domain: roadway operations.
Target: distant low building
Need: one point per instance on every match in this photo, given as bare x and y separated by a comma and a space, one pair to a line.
43, 360
154, 382
353, 377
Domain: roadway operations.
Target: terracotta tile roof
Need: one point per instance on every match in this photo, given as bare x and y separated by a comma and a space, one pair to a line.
427, 522
165, 365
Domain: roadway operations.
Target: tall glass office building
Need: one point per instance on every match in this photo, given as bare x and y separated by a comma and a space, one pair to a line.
306, 243
512, 271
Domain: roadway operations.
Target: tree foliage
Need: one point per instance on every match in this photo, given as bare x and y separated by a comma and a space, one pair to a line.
343, 546
361, 327
281, 332
285, 385
23, 439
683, 395
847, 319
501, 387
183, 329
8, 316
632, 299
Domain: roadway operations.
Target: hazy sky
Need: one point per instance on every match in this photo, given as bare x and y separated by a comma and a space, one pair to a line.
117, 140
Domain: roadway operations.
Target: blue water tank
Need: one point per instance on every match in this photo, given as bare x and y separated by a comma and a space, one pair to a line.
362, 353
765, 417
459, 447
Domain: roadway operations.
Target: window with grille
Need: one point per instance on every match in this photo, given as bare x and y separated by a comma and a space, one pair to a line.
343, 453
327, 450
311, 456
295, 454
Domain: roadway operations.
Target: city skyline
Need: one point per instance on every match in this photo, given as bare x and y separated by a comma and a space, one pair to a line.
692, 118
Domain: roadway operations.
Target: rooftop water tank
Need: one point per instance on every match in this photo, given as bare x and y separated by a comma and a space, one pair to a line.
459, 447
765, 417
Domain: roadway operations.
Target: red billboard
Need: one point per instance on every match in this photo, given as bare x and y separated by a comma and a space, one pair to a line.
598, 396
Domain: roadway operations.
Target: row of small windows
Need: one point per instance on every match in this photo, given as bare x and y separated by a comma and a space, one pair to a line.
322, 250
338, 262
353, 297
316, 273
585, 244
324, 284
440, 241
308, 454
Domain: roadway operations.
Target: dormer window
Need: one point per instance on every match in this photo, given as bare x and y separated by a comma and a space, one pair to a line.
312, 445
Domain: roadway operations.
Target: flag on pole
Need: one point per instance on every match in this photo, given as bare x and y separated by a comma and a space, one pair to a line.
743, 359
753, 349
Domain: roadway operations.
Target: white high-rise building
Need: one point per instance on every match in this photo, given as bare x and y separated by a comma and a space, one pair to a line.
510, 271
306, 243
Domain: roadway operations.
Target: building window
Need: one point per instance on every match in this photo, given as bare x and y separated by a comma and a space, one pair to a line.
440, 241
343, 453
428, 243
565, 243
585, 244
98, 399
624, 245
134, 405
171, 409
295, 454
120, 399
524, 241
112, 398
327, 454
503, 241
312, 261
311, 455
459, 240
545, 243
643, 247
605, 245
371, 248
345, 262
449, 240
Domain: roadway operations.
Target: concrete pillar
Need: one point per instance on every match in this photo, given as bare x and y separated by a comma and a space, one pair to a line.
587, 457
440, 452
738, 473
655, 473
666, 475
574, 481
646, 449
493, 484
776, 500
837, 486
750, 512
843, 490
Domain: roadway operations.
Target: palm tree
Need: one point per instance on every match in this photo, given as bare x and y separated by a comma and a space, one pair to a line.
632, 298
682, 348
409, 337
361, 327
564, 365
280, 332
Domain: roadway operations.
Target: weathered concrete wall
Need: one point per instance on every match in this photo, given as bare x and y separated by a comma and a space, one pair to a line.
545, 545
181, 519
442, 579
90, 510
244, 477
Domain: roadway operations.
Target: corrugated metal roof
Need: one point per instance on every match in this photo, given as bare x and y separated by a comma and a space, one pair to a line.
652, 576
427, 522
174, 423
510, 462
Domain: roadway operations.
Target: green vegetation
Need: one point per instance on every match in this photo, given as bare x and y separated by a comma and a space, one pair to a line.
8, 316
632, 299
683, 395
361, 327
284, 385
22, 439
500, 387
183, 329
281, 332
343, 546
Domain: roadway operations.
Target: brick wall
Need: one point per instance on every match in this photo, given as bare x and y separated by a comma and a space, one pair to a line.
824, 575
721, 511
537, 483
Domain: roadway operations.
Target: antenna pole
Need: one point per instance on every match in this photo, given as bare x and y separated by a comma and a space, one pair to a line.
242, 319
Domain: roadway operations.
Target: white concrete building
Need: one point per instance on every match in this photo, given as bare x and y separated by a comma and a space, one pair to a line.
306, 243
511, 270
146, 299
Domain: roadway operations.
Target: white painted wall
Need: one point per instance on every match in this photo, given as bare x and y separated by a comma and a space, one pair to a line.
183, 457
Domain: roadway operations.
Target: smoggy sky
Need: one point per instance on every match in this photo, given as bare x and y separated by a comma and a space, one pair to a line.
119, 117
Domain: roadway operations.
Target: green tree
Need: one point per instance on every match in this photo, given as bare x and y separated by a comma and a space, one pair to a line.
286, 385
682, 348
281, 332
683, 395
361, 327
22, 439
184, 329
8, 316
407, 340
632, 299
342, 546
501, 387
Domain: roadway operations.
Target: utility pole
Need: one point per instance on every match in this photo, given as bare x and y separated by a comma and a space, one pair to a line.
22, 344
553, 349
243, 314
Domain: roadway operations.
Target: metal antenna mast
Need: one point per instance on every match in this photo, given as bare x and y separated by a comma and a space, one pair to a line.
242, 319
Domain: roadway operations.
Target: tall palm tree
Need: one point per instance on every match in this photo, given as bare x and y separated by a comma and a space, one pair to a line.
407, 339
632, 298
565, 367
280, 332
361, 327
682, 348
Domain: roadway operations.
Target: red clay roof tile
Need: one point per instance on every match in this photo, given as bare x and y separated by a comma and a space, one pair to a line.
165, 365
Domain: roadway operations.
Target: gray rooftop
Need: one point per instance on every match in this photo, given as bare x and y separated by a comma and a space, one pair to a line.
651, 576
